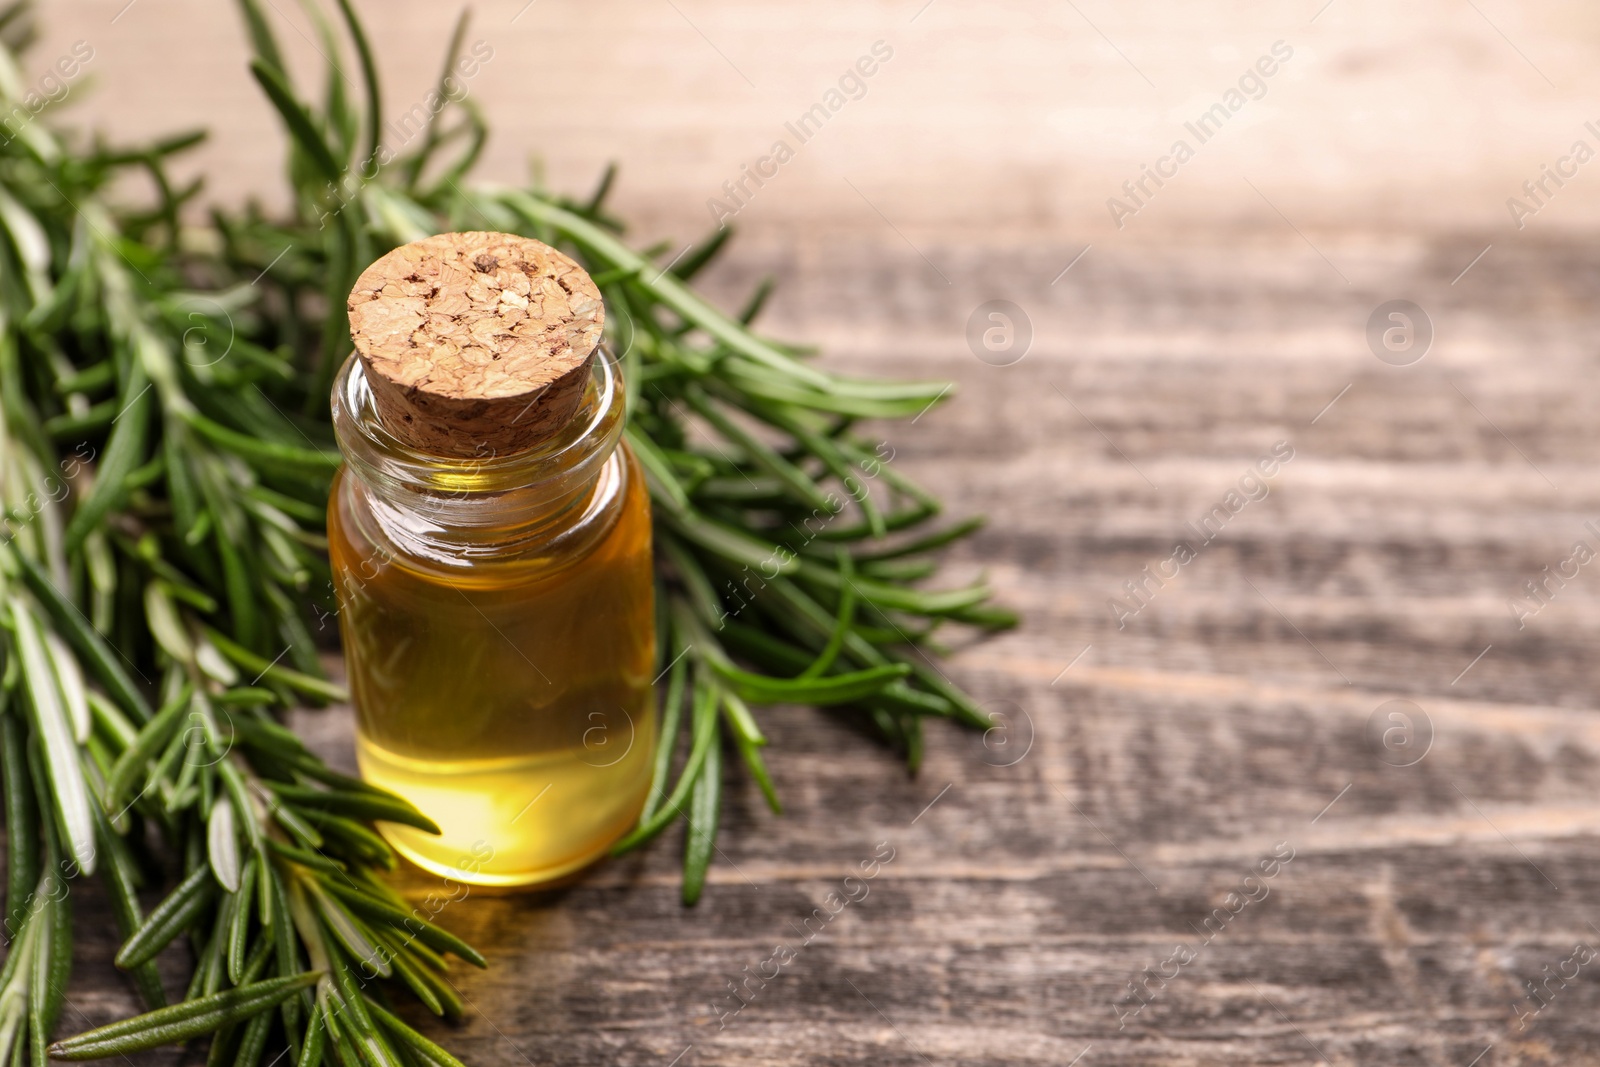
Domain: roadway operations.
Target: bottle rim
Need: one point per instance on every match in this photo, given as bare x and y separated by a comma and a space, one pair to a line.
390, 467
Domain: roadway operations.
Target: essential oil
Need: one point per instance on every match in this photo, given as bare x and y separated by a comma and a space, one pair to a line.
490, 543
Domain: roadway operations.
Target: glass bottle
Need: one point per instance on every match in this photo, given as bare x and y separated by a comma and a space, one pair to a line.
496, 606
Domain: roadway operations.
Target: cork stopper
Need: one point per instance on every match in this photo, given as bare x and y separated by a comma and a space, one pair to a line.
475, 344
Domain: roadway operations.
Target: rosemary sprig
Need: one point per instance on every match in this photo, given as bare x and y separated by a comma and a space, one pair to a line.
159, 537
776, 538
164, 464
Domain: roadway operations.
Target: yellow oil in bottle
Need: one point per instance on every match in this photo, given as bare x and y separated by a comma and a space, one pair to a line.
509, 700
489, 538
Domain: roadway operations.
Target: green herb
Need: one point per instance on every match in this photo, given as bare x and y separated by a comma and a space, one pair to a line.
181, 1022
165, 461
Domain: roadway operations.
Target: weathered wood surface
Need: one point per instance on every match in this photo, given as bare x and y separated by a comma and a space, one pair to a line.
1025, 115
1034, 877
1033, 881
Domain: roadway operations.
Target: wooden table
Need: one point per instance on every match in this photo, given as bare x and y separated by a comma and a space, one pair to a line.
1149, 768
1240, 717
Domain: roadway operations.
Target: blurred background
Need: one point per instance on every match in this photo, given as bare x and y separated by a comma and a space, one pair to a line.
1162, 340
991, 121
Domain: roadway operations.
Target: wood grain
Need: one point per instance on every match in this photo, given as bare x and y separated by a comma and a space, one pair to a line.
1024, 116
1037, 872
1147, 768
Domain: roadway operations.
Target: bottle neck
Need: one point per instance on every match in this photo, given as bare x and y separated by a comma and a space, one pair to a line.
552, 498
